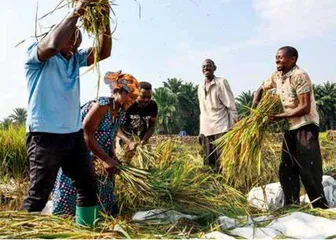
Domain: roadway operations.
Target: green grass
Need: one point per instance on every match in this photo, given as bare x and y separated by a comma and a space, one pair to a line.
13, 156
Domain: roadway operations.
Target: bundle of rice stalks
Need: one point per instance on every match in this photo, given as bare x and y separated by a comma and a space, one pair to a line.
180, 182
185, 186
242, 148
131, 184
169, 150
95, 18
143, 157
135, 178
22, 225
94, 21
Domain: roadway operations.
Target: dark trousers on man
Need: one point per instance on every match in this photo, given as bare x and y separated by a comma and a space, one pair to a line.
47, 152
301, 157
210, 152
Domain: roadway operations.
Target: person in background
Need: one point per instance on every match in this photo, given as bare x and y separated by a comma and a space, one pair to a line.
140, 117
301, 156
54, 130
218, 112
101, 120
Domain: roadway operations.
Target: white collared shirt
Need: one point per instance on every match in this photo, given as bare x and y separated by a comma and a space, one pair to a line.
217, 106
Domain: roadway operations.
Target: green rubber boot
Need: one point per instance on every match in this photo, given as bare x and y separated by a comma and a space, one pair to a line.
87, 216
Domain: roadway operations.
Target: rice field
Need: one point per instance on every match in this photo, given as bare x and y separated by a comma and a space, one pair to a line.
177, 180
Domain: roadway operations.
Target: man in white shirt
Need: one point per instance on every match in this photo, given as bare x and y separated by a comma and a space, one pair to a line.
218, 111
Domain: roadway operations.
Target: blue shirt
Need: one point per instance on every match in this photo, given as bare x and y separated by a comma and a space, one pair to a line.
54, 92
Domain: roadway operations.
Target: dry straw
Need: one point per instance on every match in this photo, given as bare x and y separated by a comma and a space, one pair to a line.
245, 147
179, 181
95, 21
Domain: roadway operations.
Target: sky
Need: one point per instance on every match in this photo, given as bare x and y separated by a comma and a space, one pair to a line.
164, 39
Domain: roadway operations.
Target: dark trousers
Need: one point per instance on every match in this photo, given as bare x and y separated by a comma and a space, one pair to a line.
47, 152
210, 152
301, 157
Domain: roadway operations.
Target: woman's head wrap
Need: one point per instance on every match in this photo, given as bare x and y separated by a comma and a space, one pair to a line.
125, 81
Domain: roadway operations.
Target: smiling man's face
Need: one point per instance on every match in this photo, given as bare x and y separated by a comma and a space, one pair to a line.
208, 69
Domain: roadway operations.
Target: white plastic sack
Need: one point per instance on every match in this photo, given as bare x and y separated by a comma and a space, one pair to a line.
271, 198
47, 210
227, 223
329, 187
161, 214
275, 197
257, 233
261, 219
304, 226
248, 221
218, 235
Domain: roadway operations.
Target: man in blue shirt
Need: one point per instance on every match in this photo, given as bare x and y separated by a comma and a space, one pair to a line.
54, 131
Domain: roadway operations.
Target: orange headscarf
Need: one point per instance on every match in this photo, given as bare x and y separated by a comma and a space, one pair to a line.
123, 81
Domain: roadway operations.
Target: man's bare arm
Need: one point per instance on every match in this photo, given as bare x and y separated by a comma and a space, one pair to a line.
59, 37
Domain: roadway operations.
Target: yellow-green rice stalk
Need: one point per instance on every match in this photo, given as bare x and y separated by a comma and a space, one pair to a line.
13, 156
22, 225
242, 160
95, 21
179, 181
143, 156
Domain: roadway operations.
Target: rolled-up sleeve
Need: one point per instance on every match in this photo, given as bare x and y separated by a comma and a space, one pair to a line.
302, 83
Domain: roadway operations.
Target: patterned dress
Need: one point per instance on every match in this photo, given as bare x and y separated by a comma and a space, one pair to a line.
64, 192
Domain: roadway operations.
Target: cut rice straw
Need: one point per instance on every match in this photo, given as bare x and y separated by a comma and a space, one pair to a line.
21, 225
95, 22
179, 182
243, 146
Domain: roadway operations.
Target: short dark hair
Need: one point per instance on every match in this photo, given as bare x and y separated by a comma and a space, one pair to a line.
212, 62
290, 52
145, 86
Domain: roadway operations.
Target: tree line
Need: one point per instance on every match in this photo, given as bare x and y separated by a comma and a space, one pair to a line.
179, 109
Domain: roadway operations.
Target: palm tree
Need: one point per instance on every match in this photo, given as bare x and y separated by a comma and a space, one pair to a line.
319, 104
244, 103
328, 91
325, 96
173, 84
168, 106
19, 116
6, 123
189, 108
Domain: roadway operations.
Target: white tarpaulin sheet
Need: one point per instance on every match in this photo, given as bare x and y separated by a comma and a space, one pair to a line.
304, 226
271, 197
161, 214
